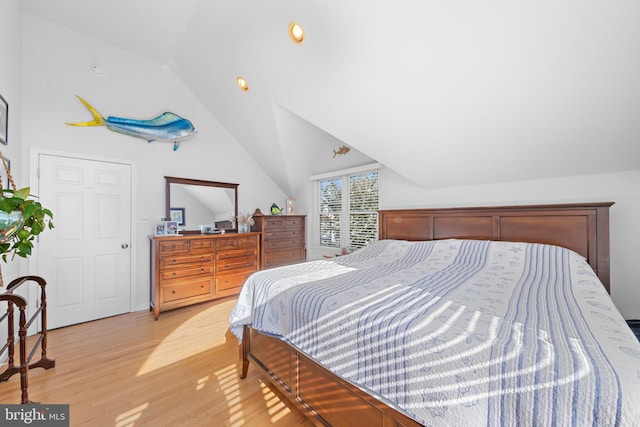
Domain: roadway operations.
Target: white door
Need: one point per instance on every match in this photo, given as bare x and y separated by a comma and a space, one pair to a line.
85, 259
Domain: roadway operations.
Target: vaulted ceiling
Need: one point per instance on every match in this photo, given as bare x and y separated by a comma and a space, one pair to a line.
444, 93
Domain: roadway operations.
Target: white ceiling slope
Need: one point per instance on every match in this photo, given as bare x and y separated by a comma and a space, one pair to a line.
444, 93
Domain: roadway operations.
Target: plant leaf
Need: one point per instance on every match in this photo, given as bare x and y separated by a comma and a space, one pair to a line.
22, 193
29, 209
36, 228
8, 204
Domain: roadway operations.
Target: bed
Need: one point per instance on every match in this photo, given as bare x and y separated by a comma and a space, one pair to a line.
455, 317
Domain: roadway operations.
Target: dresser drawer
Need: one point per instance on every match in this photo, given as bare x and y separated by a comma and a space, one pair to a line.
228, 243
185, 290
293, 223
274, 224
276, 258
283, 244
282, 222
234, 254
201, 245
282, 234
235, 242
237, 266
173, 247
231, 281
204, 270
248, 241
181, 261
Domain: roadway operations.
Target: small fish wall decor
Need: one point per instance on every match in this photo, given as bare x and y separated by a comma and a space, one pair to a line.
341, 151
166, 127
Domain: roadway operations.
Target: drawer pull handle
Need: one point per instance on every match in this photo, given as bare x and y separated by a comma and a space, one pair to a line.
202, 258
226, 266
248, 253
173, 292
174, 274
202, 270
174, 261
173, 247
201, 286
226, 256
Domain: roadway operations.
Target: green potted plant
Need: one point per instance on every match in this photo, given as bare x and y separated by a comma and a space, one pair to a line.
22, 218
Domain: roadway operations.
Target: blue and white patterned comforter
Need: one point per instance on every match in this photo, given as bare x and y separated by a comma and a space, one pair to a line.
459, 332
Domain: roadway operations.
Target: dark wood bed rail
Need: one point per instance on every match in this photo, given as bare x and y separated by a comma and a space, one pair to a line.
326, 398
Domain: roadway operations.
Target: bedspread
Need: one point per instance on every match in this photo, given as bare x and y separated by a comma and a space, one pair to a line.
459, 332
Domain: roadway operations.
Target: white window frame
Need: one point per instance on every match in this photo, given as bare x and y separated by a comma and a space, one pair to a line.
344, 174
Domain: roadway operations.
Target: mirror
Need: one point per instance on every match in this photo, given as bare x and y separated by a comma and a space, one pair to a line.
197, 202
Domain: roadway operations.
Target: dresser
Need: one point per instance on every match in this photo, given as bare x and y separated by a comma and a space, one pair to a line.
190, 269
282, 239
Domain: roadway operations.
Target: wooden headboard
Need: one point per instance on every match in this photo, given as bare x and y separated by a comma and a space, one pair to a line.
583, 228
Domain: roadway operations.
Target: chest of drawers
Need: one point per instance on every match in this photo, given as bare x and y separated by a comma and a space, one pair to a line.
189, 269
282, 239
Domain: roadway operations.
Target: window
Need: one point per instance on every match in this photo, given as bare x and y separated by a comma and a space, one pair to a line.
347, 210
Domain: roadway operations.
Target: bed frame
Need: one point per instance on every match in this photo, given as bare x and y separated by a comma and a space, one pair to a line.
330, 400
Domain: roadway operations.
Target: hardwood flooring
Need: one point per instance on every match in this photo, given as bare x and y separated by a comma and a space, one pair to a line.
129, 370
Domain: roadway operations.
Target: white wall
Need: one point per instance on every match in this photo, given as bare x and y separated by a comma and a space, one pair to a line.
57, 66
622, 188
309, 151
10, 89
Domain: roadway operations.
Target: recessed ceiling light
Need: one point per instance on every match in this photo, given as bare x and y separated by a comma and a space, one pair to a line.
242, 84
296, 32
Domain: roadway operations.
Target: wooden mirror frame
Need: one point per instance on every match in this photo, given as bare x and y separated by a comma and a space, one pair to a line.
174, 180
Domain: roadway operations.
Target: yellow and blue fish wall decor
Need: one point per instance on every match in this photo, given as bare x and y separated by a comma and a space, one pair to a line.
166, 127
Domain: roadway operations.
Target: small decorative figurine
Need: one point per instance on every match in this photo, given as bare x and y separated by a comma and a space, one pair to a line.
341, 151
275, 210
291, 207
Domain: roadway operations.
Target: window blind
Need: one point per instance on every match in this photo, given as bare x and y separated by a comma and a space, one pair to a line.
346, 210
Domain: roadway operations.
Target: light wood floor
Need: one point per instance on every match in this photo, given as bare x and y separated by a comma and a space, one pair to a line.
130, 370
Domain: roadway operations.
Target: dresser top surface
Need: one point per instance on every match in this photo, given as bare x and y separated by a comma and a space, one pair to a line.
279, 216
203, 236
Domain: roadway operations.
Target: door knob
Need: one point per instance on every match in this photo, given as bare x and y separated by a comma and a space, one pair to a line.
124, 245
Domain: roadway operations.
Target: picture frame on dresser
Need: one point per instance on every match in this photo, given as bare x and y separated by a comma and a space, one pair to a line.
177, 215
207, 229
290, 208
161, 229
171, 228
